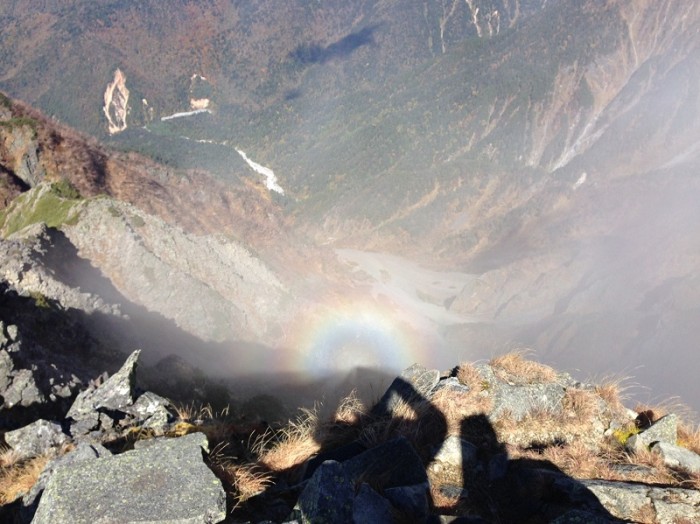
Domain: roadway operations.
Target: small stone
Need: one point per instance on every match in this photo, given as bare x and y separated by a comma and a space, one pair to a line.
37, 438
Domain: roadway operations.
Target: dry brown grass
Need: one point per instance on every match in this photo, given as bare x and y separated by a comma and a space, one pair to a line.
581, 404
468, 375
18, 478
689, 437
409, 419
350, 411
293, 445
8, 457
612, 390
456, 407
515, 368
242, 481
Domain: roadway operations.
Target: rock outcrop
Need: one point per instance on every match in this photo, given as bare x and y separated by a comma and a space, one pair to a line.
468, 444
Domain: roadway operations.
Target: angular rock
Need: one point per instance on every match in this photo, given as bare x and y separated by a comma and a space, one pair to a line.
370, 506
410, 500
519, 400
165, 482
36, 438
23, 390
151, 411
395, 462
328, 495
82, 452
677, 457
414, 384
663, 430
116, 393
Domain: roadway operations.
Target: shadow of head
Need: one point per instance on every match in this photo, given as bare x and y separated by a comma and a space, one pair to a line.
404, 461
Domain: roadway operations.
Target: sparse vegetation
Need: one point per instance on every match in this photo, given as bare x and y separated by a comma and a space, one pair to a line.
21, 121
54, 206
514, 367
40, 299
18, 476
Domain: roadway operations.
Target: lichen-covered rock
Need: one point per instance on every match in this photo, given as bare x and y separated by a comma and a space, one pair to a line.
22, 390
36, 438
82, 452
164, 482
151, 411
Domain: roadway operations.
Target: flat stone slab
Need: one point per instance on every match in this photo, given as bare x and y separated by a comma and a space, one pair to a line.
166, 482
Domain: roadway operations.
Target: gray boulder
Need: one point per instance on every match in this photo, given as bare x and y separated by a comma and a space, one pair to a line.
151, 411
395, 462
166, 482
415, 383
22, 390
328, 495
370, 506
410, 500
624, 500
82, 452
36, 438
677, 457
663, 430
116, 393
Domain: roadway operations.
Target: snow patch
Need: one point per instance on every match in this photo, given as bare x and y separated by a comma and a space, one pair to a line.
271, 179
184, 114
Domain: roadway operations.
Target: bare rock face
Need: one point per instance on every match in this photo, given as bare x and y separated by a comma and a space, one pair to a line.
116, 107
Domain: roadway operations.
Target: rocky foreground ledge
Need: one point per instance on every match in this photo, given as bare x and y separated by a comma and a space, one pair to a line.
507, 441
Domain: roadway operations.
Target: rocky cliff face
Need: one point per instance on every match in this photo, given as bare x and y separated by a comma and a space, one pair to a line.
181, 289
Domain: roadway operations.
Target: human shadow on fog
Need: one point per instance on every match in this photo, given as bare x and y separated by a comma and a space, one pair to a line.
492, 487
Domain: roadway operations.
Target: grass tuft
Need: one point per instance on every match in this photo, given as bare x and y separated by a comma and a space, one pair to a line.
515, 368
